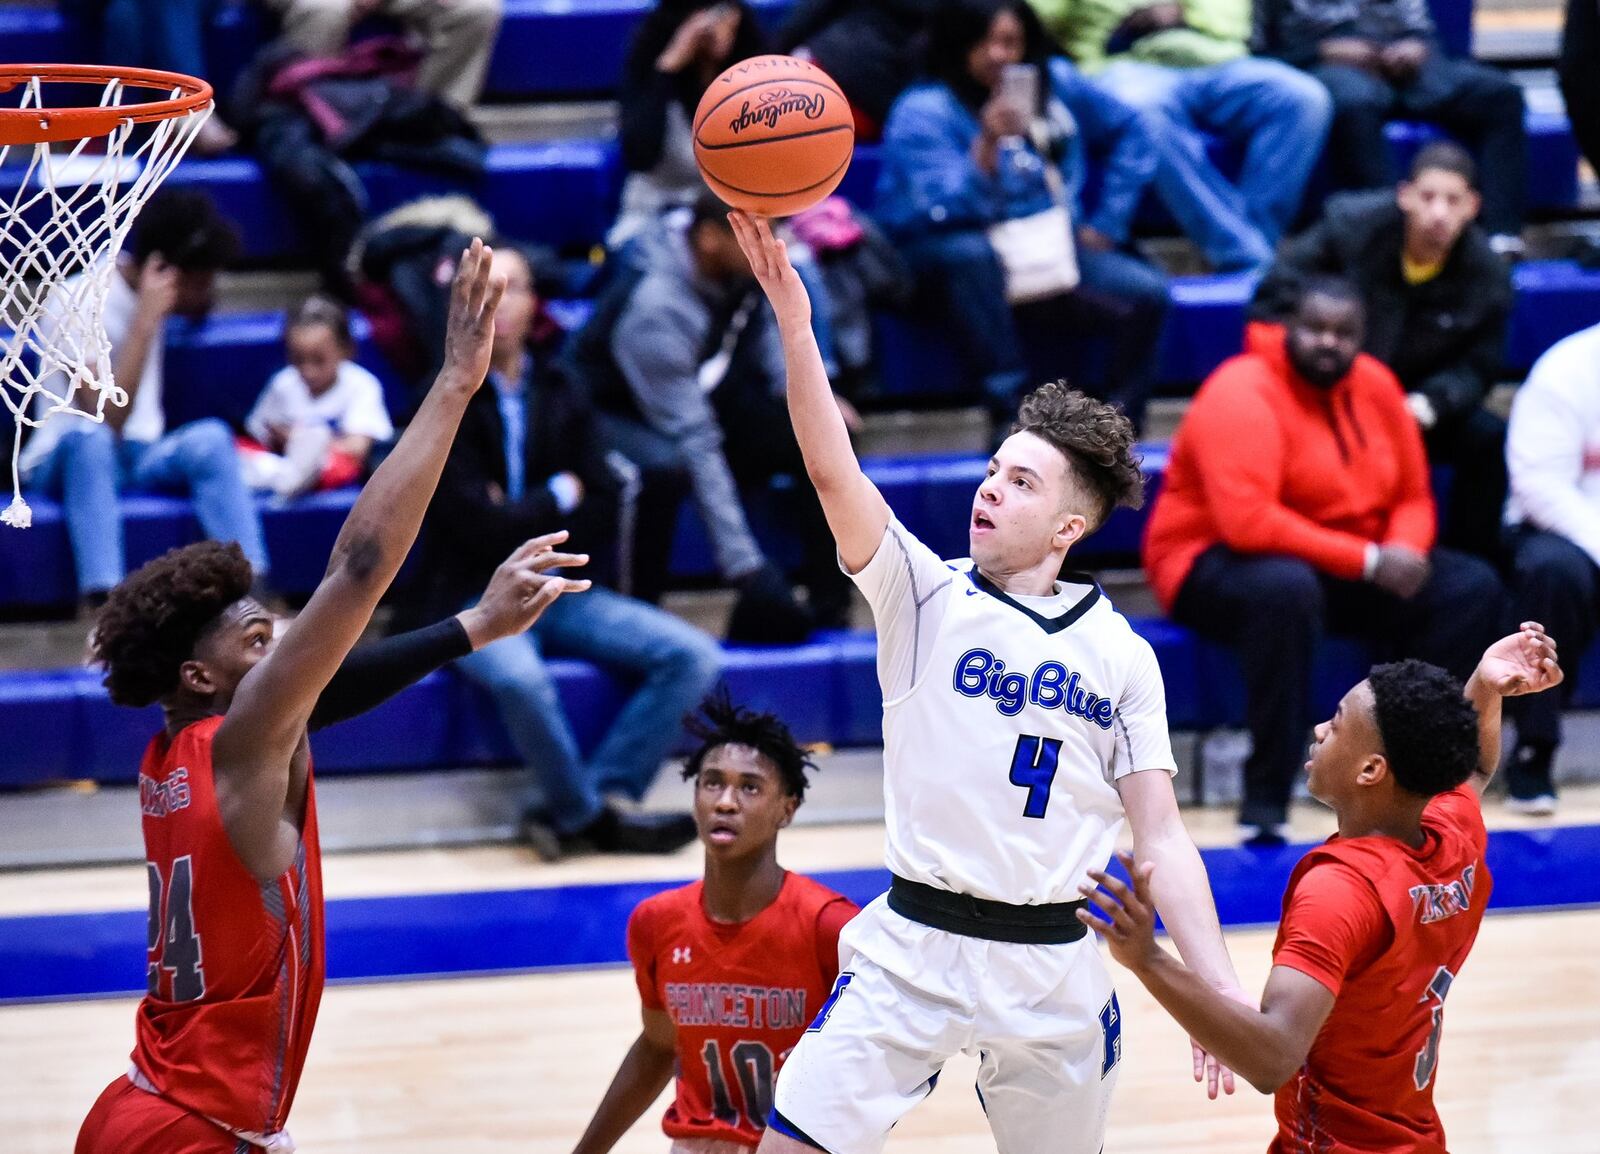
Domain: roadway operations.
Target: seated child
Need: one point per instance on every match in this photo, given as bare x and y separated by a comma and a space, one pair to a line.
318, 418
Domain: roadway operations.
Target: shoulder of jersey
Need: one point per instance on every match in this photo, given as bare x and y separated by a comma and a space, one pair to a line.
810, 892
677, 902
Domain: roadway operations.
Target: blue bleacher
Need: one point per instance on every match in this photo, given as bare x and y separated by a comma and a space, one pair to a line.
827, 690
547, 49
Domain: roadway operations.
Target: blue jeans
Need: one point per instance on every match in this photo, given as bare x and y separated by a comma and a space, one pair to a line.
90, 466
1276, 114
674, 663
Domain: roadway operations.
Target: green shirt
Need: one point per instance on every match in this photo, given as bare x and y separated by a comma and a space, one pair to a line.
1217, 32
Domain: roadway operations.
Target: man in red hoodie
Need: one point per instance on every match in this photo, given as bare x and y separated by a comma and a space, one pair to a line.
1297, 503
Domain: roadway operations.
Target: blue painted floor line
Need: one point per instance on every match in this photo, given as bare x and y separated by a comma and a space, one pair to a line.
485, 932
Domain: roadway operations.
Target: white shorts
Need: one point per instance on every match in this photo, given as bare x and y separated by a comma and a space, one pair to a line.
1043, 1022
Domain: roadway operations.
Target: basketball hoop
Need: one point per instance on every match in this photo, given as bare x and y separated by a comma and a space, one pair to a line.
66, 205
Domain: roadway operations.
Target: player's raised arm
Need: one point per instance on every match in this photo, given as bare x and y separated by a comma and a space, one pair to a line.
266, 721
856, 511
1524, 662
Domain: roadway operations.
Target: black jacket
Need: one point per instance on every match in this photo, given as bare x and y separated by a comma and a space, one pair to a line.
471, 527
1445, 338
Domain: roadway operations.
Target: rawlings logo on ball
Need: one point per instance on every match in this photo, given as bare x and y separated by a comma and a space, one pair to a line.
774, 106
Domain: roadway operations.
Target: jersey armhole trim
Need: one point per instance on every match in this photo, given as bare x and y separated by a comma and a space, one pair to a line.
917, 603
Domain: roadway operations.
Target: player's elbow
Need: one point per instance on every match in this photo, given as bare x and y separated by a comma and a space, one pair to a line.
1273, 1065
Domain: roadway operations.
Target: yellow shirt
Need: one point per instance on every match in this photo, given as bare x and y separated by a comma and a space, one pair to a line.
1416, 274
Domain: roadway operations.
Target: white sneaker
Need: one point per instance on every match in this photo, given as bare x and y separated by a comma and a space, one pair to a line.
1544, 805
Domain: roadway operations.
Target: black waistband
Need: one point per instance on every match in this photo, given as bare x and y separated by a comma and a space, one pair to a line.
1047, 925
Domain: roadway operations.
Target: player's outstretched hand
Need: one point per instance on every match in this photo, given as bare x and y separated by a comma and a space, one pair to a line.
521, 589
1524, 662
1207, 1069
1129, 922
769, 263
469, 339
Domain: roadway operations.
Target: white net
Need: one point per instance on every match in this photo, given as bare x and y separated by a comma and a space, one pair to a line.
65, 209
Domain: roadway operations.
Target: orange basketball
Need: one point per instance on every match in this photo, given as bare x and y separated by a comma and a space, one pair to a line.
773, 135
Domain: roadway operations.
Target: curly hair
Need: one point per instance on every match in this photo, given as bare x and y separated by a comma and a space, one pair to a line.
150, 623
1095, 437
1429, 730
720, 722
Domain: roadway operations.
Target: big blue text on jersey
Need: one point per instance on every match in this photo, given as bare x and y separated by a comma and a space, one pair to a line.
1052, 685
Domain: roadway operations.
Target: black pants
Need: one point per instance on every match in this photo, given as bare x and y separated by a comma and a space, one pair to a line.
1478, 104
1580, 75
663, 487
1473, 444
1558, 585
1273, 610
760, 446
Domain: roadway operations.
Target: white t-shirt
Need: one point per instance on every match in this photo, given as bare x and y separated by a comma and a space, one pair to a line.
352, 407
1553, 443
1006, 722
146, 422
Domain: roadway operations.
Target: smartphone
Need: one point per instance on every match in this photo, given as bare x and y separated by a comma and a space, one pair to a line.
1019, 87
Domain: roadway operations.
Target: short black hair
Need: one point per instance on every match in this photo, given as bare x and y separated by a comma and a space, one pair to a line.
707, 209
184, 226
1445, 156
957, 25
720, 722
1097, 440
1335, 287
1428, 729
151, 622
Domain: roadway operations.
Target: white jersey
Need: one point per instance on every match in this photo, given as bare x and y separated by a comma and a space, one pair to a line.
1006, 721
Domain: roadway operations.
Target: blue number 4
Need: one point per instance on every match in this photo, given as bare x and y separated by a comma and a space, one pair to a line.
1110, 1035
1033, 767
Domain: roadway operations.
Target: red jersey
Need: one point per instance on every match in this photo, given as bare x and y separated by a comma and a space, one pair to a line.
740, 995
235, 964
1386, 928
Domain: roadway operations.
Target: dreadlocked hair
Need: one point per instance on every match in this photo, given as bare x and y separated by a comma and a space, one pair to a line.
1429, 730
1095, 437
720, 722
151, 622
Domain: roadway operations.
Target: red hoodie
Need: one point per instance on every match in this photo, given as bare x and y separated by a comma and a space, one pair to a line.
1266, 463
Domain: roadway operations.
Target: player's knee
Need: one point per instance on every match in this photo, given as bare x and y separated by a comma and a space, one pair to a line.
91, 446
1286, 588
209, 443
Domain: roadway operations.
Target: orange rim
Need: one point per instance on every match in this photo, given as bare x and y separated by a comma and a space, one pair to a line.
38, 125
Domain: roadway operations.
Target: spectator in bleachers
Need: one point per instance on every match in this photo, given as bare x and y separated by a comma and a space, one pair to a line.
169, 266
1381, 59
164, 34
526, 462
1580, 87
677, 50
457, 35
1296, 503
684, 351
867, 46
960, 157
1554, 454
316, 422
1438, 301
1189, 66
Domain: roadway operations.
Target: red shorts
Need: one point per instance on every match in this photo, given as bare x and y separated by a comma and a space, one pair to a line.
128, 1120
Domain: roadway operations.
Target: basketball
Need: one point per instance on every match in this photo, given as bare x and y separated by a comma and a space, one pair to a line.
773, 135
